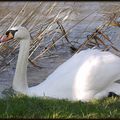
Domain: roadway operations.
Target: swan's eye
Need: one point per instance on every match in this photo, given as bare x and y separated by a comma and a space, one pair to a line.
12, 32
7, 33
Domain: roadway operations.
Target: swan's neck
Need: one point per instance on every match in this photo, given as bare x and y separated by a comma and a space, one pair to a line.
20, 77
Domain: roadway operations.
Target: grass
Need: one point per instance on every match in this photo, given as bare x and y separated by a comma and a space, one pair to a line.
41, 21
25, 107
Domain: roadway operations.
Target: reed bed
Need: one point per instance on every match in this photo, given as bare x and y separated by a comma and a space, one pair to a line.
47, 23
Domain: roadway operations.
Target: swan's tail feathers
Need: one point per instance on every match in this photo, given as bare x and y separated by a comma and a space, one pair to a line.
115, 88
111, 94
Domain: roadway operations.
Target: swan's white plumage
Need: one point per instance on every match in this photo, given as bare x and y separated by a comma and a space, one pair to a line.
86, 75
83, 77
98, 71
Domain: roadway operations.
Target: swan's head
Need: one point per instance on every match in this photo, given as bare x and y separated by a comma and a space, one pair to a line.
18, 33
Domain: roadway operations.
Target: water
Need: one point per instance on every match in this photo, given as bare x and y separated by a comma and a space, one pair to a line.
101, 11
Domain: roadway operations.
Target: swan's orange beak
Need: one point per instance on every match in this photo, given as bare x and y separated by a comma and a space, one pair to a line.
6, 38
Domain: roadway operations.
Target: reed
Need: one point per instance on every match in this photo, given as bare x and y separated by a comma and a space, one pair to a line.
47, 24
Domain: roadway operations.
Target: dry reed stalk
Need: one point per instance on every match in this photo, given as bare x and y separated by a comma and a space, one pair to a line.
29, 16
45, 31
51, 26
41, 54
94, 36
50, 9
5, 17
21, 11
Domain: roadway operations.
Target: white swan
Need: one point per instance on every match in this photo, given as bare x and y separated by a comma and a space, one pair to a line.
87, 75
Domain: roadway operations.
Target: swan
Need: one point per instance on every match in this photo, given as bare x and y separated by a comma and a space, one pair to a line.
87, 75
